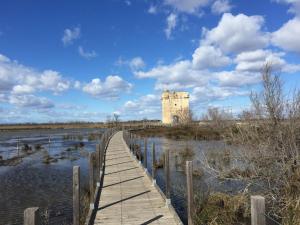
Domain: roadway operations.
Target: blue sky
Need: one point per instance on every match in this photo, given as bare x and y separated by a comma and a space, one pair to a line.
85, 60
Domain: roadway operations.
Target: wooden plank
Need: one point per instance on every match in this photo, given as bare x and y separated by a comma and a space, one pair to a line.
258, 210
190, 192
31, 216
76, 195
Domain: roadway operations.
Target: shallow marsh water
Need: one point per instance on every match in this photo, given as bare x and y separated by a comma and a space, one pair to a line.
33, 183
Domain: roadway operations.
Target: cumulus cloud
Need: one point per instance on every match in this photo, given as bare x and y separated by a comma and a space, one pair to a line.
187, 6
237, 33
171, 24
148, 106
18, 78
86, 54
70, 35
179, 75
287, 37
30, 101
212, 93
221, 6
209, 57
111, 88
254, 61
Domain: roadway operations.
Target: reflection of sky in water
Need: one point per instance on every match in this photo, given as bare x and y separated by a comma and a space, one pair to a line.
33, 183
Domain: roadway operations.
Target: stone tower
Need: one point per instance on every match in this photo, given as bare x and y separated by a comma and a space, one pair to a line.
175, 107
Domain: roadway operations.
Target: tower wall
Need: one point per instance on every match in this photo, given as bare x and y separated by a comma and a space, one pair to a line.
174, 105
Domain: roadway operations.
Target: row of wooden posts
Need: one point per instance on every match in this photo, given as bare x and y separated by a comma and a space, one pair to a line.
96, 163
257, 202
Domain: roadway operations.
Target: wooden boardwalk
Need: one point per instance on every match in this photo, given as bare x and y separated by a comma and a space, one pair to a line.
128, 196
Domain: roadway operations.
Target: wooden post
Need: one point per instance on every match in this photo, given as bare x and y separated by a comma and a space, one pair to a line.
190, 192
140, 153
258, 210
101, 157
167, 174
145, 154
91, 179
31, 216
130, 142
153, 163
97, 163
76, 195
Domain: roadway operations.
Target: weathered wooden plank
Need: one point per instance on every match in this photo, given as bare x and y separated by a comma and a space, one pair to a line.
258, 210
190, 192
167, 173
76, 195
153, 162
91, 179
31, 216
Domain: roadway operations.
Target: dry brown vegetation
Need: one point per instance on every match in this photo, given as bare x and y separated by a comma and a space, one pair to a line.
189, 132
270, 136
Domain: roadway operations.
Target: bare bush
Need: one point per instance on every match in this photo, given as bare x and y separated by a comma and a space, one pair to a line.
270, 135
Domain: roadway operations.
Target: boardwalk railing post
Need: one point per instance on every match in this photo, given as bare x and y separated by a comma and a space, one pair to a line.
76, 195
31, 216
190, 192
98, 164
167, 176
91, 179
258, 210
101, 158
140, 153
145, 154
153, 163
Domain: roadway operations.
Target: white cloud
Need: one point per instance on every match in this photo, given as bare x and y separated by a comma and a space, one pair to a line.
212, 93
152, 9
171, 24
22, 89
179, 75
127, 2
70, 35
134, 64
206, 57
237, 78
148, 106
137, 63
111, 88
86, 54
221, 6
18, 78
237, 33
287, 37
187, 6
255, 60
30, 101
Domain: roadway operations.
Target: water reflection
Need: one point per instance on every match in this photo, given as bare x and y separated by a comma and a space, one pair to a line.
34, 183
